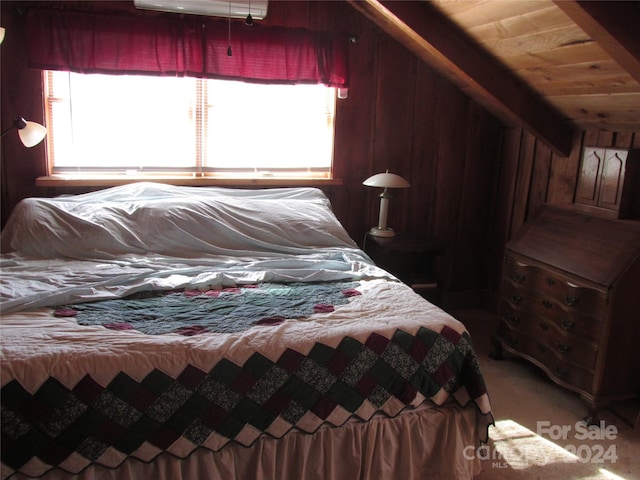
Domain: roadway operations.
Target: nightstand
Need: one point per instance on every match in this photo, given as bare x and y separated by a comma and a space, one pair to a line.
409, 257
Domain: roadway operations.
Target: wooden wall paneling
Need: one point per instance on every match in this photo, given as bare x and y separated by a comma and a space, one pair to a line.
497, 225
424, 165
605, 138
21, 96
409, 215
353, 149
500, 229
298, 14
540, 174
564, 173
506, 183
523, 180
393, 126
590, 138
480, 161
623, 140
451, 137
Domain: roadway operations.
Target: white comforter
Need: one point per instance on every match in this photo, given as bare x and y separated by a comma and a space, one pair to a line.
119, 241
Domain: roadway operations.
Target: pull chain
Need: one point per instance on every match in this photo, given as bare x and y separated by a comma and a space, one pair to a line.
249, 20
229, 52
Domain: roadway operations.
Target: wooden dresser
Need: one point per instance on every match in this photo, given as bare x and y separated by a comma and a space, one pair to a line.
570, 303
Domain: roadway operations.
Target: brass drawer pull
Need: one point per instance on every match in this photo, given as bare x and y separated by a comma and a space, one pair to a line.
547, 304
564, 348
570, 300
567, 324
513, 320
519, 277
516, 299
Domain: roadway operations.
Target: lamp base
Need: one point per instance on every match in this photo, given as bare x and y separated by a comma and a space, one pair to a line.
382, 232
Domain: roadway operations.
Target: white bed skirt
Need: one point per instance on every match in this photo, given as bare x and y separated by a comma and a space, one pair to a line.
424, 443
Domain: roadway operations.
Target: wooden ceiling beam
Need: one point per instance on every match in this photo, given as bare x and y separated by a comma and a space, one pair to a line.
614, 26
444, 47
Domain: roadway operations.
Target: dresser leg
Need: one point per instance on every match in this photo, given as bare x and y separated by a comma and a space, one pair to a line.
592, 419
497, 352
592, 412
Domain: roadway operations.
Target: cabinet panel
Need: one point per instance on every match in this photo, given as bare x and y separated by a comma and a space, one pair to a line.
607, 184
589, 178
612, 177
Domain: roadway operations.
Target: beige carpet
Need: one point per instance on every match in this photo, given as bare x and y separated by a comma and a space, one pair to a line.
538, 433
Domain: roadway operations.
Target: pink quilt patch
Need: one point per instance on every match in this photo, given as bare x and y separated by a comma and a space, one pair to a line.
323, 308
118, 326
351, 292
275, 320
191, 331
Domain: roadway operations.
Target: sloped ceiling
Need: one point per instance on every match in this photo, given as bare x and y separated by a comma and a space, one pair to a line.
553, 67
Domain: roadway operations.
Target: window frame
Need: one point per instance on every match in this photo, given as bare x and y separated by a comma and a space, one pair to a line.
196, 175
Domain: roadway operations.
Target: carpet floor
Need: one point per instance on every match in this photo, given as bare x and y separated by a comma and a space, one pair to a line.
539, 433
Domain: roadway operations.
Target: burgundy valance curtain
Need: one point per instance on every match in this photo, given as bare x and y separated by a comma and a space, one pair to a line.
172, 45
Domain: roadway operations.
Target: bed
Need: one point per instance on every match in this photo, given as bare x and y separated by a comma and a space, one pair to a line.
156, 331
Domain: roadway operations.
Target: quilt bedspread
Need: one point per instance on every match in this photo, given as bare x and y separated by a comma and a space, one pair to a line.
101, 397
209, 359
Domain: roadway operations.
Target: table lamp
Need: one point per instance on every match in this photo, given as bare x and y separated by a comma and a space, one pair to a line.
384, 180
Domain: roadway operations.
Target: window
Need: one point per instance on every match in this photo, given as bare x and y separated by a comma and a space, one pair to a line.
126, 124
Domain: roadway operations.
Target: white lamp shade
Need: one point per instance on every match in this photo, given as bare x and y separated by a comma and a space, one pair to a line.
2, 31
32, 134
386, 180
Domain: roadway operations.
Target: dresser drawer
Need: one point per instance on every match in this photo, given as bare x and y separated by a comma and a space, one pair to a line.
557, 321
538, 351
553, 288
566, 345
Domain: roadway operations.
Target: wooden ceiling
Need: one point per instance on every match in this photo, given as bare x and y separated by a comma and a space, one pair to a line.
553, 67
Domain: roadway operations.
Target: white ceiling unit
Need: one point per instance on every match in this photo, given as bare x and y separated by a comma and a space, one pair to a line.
212, 8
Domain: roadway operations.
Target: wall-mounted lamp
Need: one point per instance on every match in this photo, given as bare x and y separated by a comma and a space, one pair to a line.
30, 133
2, 31
384, 180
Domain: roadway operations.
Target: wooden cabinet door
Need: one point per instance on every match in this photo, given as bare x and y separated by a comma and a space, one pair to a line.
612, 179
589, 180
601, 179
